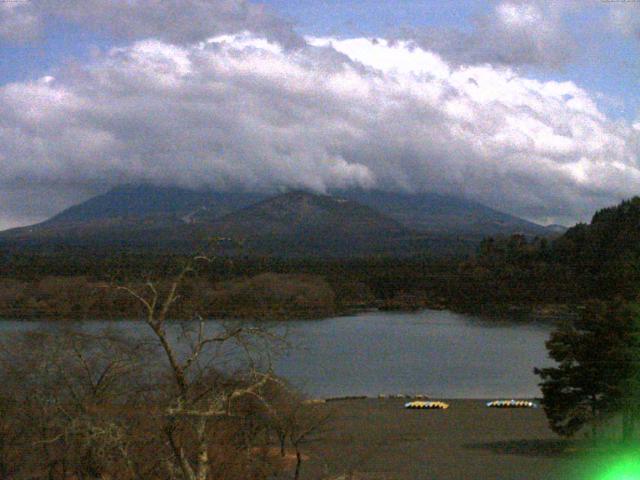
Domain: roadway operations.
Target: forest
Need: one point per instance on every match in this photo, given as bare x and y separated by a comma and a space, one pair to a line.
507, 275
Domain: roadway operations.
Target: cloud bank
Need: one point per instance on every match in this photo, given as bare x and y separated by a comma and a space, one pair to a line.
514, 33
177, 21
243, 111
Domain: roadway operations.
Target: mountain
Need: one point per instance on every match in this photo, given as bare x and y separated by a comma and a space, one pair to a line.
440, 214
299, 222
131, 216
295, 223
300, 213
164, 204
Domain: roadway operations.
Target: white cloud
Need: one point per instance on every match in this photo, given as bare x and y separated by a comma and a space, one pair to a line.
398, 57
518, 15
240, 111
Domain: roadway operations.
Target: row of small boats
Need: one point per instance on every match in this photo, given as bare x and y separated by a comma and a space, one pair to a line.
511, 404
437, 405
427, 405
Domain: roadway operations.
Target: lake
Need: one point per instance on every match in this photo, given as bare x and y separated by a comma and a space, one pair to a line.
437, 353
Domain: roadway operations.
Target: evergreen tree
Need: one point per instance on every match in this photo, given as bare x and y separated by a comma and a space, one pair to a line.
596, 372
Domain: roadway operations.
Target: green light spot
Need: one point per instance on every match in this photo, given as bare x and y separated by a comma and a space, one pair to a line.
627, 468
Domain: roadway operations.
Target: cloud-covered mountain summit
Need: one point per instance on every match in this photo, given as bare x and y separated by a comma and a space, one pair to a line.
243, 111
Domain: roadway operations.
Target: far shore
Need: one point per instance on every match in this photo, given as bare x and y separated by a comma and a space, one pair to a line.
548, 313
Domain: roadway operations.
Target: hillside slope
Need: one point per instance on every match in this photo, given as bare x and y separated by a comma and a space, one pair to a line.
302, 222
152, 202
435, 213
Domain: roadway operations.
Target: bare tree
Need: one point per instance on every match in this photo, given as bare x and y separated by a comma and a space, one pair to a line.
304, 423
294, 421
198, 400
67, 391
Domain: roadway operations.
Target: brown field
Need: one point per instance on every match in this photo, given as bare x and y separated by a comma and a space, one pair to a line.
378, 439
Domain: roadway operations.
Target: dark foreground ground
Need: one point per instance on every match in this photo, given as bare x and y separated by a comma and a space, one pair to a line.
378, 439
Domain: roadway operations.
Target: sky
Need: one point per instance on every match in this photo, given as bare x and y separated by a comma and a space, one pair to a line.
528, 106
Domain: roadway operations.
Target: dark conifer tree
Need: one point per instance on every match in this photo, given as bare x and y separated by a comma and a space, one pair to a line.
597, 368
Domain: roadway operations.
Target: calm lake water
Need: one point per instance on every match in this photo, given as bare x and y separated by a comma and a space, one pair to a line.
437, 353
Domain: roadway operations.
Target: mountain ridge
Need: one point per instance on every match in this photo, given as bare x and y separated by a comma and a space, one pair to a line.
437, 213
351, 221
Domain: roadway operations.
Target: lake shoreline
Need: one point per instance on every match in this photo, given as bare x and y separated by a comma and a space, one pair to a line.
511, 313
